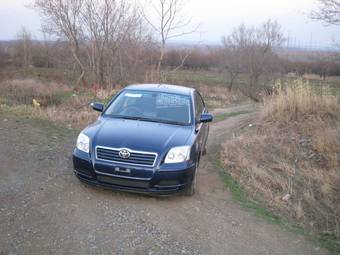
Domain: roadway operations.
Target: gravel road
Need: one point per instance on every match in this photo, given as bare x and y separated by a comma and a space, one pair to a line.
44, 209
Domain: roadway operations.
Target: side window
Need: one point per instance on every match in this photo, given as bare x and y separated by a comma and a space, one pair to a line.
199, 104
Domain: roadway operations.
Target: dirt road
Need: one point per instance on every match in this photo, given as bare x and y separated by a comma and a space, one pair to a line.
45, 210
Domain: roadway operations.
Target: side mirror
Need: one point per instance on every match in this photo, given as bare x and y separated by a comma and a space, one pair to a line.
97, 107
206, 117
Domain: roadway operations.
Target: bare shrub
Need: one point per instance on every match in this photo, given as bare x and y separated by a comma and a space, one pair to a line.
293, 150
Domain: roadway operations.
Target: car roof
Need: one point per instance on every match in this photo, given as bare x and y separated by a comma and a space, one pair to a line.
175, 89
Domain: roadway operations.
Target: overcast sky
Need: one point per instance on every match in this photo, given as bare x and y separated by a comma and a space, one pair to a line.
216, 18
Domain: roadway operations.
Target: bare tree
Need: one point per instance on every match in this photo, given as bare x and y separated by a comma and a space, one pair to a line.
4, 59
107, 24
270, 35
136, 48
104, 22
63, 18
251, 52
328, 11
99, 33
25, 47
170, 23
231, 62
46, 45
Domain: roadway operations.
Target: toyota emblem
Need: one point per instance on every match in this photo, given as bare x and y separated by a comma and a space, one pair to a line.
125, 154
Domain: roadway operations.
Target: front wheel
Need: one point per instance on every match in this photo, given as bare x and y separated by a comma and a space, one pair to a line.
191, 187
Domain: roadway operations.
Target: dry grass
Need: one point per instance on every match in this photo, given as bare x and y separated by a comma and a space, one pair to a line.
24, 91
299, 101
219, 96
74, 113
294, 150
58, 102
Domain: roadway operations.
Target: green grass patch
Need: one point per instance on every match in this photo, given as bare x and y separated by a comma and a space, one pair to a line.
60, 97
224, 116
197, 77
241, 196
50, 128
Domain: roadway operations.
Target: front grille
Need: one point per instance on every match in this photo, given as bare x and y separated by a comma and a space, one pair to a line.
136, 158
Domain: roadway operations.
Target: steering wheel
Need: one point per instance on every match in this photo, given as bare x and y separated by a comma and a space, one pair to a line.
133, 111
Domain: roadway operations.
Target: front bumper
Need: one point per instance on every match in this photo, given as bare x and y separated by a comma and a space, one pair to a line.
161, 182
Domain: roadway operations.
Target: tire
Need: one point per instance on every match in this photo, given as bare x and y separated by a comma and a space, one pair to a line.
190, 189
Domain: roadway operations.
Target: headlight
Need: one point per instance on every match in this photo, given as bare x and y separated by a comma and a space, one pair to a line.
178, 155
83, 143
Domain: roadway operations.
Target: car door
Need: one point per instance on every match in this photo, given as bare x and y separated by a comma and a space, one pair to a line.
201, 128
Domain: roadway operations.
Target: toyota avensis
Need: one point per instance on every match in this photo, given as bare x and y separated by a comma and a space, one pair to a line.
149, 139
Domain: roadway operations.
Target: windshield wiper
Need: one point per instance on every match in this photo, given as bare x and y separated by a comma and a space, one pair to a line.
127, 117
134, 118
171, 122
149, 120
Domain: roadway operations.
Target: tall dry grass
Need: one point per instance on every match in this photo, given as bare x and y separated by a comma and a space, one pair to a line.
219, 96
298, 101
293, 150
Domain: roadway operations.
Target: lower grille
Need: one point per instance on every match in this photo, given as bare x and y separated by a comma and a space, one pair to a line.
123, 182
136, 157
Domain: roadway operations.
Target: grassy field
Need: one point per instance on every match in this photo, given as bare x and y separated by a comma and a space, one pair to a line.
195, 78
217, 78
53, 87
211, 78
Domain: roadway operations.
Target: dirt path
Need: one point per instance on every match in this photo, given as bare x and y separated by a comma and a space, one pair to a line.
45, 210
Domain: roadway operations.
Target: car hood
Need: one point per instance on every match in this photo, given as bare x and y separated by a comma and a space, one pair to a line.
138, 135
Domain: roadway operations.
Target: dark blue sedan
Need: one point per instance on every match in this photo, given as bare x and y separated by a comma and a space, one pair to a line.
149, 139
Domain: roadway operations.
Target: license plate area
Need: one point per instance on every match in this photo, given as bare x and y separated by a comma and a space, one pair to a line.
124, 171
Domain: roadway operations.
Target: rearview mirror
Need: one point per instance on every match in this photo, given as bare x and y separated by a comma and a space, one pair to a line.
206, 117
97, 106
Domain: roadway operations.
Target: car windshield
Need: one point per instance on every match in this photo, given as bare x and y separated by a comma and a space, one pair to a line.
151, 106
